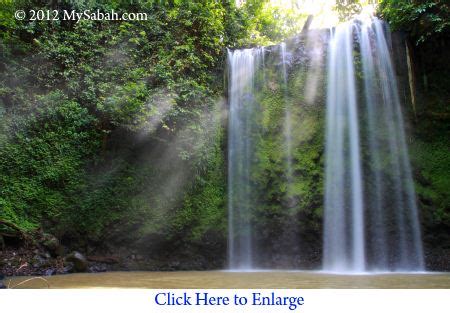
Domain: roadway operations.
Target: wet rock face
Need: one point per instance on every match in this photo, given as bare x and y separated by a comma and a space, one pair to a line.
80, 263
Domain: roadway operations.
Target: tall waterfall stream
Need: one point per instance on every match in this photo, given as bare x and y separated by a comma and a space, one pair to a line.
370, 218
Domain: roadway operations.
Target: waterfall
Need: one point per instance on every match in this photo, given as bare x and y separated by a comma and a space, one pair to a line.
288, 118
344, 217
242, 65
370, 218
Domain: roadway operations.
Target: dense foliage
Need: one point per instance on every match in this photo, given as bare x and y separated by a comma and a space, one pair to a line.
347, 9
422, 19
112, 132
268, 23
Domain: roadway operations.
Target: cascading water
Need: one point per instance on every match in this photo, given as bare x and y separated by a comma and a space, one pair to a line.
247, 82
370, 214
371, 220
288, 119
344, 221
242, 66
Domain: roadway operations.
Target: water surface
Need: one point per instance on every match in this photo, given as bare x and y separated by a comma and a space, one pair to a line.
243, 280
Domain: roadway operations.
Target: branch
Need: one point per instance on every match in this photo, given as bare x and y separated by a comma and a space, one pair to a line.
27, 280
22, 234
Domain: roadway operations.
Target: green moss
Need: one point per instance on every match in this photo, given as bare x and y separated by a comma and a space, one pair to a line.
432, 160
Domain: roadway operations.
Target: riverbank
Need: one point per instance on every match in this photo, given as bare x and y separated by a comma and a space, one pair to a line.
37, 260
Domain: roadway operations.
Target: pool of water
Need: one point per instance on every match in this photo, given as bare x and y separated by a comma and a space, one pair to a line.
227, 279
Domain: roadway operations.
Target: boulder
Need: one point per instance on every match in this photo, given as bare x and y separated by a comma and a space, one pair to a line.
51, 243
97, 268
66, 269
80, 264
39, 262
50, 272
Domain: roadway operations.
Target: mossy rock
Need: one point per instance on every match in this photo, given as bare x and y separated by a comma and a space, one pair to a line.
80, 263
